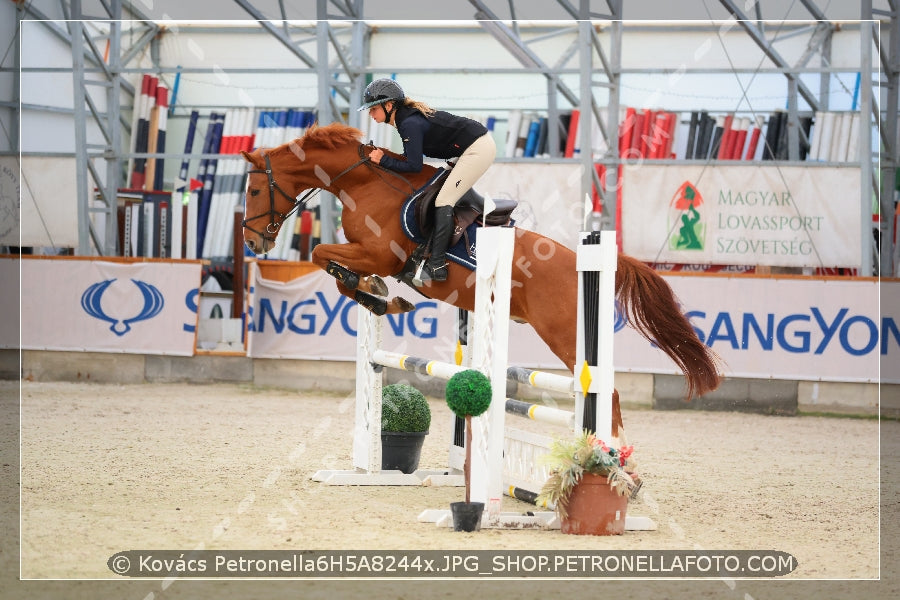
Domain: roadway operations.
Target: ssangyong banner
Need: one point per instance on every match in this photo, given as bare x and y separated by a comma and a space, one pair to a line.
742, 215
777, 328
784, 328
92, 305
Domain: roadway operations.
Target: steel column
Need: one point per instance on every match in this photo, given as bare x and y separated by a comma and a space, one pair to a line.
586, 65
610, 195
81, 158
325, 113
865, 145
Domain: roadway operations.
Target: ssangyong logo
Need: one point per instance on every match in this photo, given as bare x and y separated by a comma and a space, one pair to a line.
685, 219
153, 304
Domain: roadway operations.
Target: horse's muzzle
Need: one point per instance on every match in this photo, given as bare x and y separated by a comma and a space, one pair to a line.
258, 245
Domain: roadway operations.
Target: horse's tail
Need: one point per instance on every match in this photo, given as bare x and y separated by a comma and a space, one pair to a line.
651, 307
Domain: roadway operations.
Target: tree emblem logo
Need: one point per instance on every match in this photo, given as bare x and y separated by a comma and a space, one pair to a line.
686, 219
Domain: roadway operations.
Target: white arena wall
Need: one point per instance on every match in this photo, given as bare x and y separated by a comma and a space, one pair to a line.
810, 335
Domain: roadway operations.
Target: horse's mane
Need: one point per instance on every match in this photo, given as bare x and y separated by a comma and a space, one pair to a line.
330, 136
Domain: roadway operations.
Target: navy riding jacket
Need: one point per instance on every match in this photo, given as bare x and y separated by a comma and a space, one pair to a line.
441, 135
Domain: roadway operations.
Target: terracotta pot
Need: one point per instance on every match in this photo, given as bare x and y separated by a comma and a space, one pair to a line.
595, 508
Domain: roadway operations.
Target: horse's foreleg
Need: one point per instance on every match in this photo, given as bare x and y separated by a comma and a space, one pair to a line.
343, 265
381, 306
373, 284
377, 305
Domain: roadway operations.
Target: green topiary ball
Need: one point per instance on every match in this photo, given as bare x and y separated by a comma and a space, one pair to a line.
468, 393
404, 408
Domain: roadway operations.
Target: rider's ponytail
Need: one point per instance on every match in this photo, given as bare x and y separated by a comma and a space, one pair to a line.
419, 106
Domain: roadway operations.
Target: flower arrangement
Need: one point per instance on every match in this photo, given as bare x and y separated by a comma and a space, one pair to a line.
569, 459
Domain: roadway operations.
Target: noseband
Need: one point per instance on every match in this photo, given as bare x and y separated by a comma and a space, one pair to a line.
277, 219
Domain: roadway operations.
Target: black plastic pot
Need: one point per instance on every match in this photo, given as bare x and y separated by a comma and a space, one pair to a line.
400, 450
466, 515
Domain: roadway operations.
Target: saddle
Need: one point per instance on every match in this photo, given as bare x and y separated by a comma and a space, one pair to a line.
468, 212
469, 209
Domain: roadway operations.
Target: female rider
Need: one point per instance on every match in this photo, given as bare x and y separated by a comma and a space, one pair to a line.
435, 134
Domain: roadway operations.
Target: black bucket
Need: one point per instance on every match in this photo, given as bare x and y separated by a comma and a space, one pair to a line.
400, 450
466, 515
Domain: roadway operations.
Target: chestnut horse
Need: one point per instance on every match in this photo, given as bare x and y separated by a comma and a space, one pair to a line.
544, 284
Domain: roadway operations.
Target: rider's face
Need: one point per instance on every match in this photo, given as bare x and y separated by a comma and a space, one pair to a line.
378, 113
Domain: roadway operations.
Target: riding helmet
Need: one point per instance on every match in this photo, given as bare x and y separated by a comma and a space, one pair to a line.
381, 91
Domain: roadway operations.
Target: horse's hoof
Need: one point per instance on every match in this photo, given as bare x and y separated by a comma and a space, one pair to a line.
374, 304
402, 305
377, 285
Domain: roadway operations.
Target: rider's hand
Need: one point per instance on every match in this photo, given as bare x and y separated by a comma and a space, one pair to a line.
375, 155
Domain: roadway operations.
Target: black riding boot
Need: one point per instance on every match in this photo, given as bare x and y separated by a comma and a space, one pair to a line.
436, 267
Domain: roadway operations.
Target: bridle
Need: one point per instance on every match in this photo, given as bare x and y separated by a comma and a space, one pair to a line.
276, 218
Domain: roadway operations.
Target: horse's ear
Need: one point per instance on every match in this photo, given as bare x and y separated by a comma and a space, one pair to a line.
251, 159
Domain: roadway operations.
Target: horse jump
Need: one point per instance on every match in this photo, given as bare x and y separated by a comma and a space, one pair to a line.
489, 341
506, 463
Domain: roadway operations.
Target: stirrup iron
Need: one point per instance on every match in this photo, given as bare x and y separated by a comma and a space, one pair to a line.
417, 277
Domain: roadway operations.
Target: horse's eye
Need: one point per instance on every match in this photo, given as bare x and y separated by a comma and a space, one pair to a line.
254, 192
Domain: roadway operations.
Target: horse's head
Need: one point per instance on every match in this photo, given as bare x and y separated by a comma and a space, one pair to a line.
267, 203
278, 175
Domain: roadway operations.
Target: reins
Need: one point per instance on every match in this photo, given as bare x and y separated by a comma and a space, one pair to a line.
276, 218
379, 170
